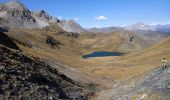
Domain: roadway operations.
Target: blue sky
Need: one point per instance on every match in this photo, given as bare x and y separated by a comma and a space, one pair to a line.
103, 13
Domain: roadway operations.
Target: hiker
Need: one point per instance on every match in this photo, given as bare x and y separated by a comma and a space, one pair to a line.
164, 61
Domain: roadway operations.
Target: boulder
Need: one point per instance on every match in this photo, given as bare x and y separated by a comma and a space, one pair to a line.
53, 42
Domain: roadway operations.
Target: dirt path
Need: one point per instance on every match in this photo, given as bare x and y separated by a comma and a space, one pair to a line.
152, 86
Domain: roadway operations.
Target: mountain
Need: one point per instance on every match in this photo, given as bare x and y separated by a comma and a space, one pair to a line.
146, 27
42, 15
27, 77
15, 15
132, 41
140, 28
71, 26
105, 29
163, 28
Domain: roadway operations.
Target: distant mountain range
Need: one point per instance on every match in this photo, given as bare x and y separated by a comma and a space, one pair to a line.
145, 27
105, 29
138, 28
14, 14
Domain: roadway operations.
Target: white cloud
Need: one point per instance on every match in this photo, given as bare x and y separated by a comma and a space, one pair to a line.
77, 18
60, 17
97, 26
101, 18
159, 23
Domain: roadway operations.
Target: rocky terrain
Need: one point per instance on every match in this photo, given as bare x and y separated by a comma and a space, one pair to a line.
41, 57
23, 77
70, 34
154, 85
15, 15
52, 42
132, 41
71, 26
5, 40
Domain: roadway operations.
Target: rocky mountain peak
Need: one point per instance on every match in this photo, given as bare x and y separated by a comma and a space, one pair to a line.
71, 26
14, 4
15, 15
43, 15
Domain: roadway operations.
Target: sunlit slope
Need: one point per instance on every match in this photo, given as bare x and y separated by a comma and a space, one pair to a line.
71, 51
151, 55
66, 53
91, 42
130, 64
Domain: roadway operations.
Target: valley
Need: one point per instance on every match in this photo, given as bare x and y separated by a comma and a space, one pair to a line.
43, 57
110, 69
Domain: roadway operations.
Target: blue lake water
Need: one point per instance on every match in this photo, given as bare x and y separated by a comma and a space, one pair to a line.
102, 54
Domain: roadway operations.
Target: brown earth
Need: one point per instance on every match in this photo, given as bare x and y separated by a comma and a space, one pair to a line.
104, 71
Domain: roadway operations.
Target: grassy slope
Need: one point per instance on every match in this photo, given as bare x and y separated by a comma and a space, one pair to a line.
131, 64
107, 67
99, 42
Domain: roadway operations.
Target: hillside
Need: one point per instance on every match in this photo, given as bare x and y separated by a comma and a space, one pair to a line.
14, 14
105, 29
42, 57
65, 51
25, 76
154, 85
71, 47
130, 64
68, 51
71, 26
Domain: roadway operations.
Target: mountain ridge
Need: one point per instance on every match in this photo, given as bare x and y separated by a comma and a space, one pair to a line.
148, 27
140, 26
15, 15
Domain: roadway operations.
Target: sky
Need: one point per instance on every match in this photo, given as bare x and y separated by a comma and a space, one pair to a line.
104, 13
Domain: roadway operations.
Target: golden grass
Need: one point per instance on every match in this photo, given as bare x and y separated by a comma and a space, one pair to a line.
112, 68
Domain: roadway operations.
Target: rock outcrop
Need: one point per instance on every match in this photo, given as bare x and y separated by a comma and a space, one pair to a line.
151, 86
131, 41
43, 15
27, 78
15, 15
53, 42
70, 34
71, 26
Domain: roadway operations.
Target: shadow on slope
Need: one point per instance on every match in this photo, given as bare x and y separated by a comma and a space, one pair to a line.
29, 78
26, 77
6, 41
